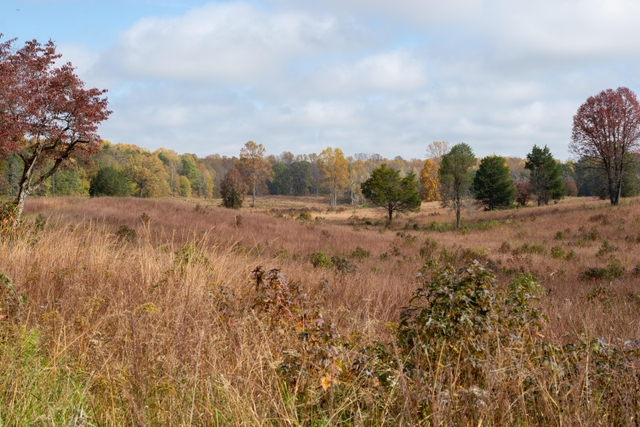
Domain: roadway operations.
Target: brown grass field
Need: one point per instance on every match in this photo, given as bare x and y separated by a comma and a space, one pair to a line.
123, 311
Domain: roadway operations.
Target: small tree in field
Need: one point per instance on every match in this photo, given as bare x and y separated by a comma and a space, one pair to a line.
387, 190
47, 117
233, 189
254, 168
607, 127
523, 191
429, 181
493, 185
455, 177
546, 175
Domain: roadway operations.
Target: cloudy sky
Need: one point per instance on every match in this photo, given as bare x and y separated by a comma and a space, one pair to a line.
364, 75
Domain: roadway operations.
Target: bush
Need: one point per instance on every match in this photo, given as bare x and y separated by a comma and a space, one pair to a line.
613, 270
109, 182
233, 189
360, 253
453, 314
320, 260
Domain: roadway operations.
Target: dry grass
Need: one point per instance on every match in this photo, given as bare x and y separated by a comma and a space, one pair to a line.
146, 312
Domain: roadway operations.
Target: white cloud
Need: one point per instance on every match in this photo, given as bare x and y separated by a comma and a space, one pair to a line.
229, 43
367, 76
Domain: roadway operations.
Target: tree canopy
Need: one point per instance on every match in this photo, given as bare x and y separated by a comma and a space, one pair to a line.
388, 190
455, 177
47, 117
545, 178
253, 167
607, 127
492, 184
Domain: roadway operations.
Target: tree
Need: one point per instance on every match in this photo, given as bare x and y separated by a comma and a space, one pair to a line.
253, 167
607, 127
147, 172
191, 171
455, 177
523, 191
185, 186
301, 178
492, 184
47, 117
388, 190
436, 150
429, 181
233, 189
280, 182
335, 169
546, 177
109, 182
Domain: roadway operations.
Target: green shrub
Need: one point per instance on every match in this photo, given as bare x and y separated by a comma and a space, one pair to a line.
320, 260
360, 253
110, 182
557, 252
613, 270
532, 249
342, 265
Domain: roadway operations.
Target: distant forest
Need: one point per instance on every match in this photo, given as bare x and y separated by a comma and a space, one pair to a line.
166, 173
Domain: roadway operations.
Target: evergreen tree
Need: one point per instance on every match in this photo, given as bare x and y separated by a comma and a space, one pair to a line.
109, 182
546, 175
388, 190
493, 185
455, 177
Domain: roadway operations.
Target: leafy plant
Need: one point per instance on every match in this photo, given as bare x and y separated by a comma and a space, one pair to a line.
320, 260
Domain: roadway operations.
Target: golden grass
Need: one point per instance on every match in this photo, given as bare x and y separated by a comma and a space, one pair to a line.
167, 327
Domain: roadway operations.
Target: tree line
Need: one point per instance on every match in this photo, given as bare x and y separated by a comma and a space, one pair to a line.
49, 145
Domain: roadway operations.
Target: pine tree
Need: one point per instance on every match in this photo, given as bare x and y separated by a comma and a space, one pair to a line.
546, 175
492, 185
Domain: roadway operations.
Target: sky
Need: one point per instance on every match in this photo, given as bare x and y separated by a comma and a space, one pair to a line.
367, 76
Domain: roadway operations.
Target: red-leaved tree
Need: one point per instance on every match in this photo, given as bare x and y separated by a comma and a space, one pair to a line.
47, 117
607, 128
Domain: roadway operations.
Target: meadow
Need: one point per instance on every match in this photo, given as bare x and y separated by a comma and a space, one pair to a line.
171, 312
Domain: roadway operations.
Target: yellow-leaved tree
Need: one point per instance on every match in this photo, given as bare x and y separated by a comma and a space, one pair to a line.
429, 181
335, 169
253, 167
148, 174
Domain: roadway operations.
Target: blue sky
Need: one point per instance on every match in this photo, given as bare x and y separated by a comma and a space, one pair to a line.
363, 75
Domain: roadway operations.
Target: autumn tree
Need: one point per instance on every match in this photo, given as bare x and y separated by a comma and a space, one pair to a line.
492, 185
607, 127
546, 177
429, 181
523, 191
233, 189
455, 177
253, 167
389, 191
436, 151
47, 117
335, 170
147, 172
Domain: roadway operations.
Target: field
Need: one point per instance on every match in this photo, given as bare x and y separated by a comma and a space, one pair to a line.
123, 311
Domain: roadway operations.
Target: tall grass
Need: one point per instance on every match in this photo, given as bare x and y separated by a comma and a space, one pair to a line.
183, 321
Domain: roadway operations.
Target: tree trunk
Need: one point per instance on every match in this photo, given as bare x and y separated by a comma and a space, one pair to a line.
141, 188
23, 192
390, 215
253, 197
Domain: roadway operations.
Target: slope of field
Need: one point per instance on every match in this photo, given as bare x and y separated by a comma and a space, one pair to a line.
122, 311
